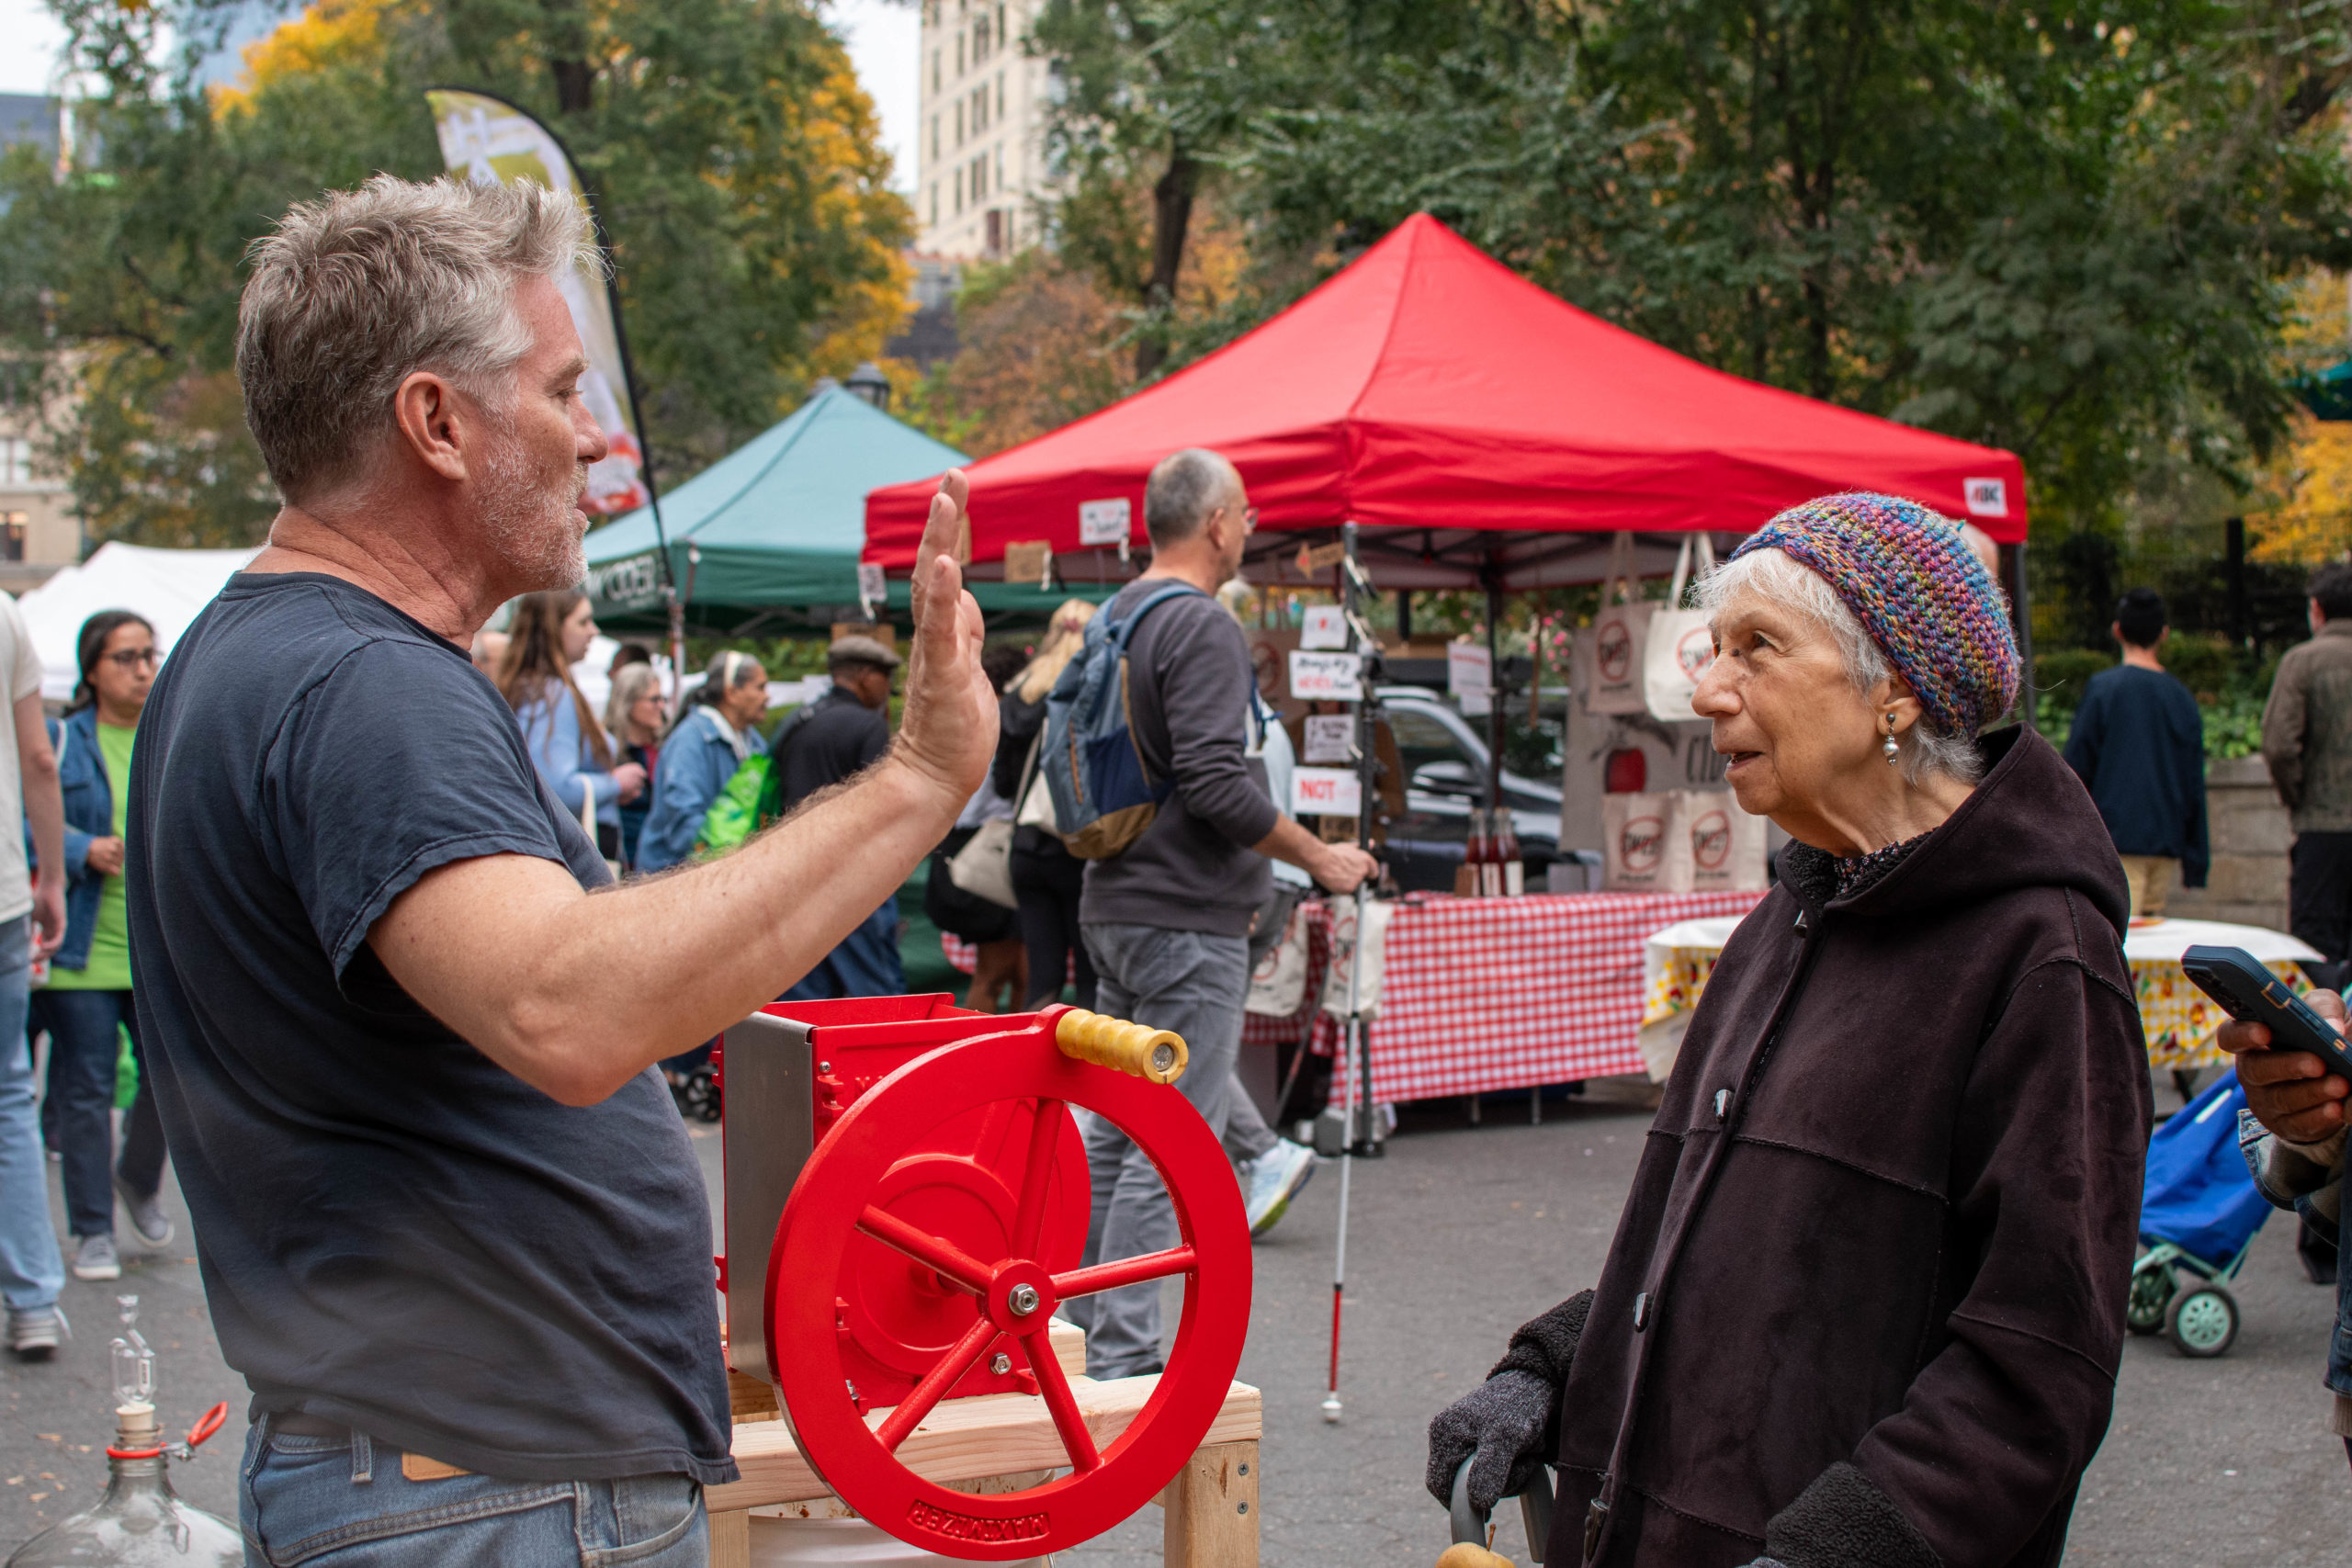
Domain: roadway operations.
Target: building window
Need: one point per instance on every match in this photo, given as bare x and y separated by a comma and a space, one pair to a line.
15, 462
960, 122
1000, 95
959, 54
934, 203
1002, 36
999, 165
934, 138
996, 231
959, 188
935, 71
980, 41
12, 534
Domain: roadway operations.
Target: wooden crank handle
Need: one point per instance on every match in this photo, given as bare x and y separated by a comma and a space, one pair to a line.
1152, 1053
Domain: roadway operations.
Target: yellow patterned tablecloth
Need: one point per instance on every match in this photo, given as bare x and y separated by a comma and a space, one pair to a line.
2178, 1018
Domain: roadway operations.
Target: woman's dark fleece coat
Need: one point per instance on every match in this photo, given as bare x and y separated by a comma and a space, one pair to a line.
1866, 1300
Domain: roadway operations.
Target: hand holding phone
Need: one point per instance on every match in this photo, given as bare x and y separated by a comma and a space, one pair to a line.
2290, 1051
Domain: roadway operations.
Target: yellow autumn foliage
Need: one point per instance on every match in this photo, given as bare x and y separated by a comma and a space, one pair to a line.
327, 35
2314, 522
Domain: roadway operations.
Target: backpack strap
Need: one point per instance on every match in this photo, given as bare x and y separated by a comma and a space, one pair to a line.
1124, 633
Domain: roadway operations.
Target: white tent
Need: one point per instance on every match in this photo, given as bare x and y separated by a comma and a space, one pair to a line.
168, 587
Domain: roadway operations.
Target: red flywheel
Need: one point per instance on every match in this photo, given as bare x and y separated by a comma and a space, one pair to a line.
1011, 1298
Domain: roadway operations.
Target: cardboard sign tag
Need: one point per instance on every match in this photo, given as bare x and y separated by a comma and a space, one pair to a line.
1330, 737
872, 586
1326, 677
1324, 791
1104, 522
1326, 627
1313, 558
1027, 562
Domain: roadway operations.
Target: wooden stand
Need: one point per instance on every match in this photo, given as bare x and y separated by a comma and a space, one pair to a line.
1003, 1442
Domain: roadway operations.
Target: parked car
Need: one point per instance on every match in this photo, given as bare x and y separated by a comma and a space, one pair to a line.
1446, 758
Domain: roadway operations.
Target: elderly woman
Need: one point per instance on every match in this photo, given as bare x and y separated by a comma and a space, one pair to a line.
706, 744
1865, 1302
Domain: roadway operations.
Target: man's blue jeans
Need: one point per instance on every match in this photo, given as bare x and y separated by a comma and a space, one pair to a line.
32, 1271
346, 1500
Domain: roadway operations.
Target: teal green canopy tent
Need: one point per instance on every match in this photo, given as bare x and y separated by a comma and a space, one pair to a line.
772, 531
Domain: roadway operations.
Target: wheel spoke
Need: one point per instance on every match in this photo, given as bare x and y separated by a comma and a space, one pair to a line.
1060, 1403
1044, 1143
1127, 1272
952, 1263
902, 1421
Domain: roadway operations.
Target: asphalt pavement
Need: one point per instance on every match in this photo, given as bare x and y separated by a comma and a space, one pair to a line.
1457, 1236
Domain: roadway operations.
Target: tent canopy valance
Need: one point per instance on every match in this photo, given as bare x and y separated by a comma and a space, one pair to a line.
1471, 424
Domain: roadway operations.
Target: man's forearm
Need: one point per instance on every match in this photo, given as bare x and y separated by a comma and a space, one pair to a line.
1291, 843
576, 994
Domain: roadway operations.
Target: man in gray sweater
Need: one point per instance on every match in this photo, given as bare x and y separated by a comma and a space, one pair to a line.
1167, 921
2307, 741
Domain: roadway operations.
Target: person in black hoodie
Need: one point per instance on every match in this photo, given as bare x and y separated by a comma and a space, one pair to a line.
1865, 1302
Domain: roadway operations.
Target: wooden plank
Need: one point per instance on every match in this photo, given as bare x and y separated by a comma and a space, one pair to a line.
1213, 1509
731, 1540
967, 1439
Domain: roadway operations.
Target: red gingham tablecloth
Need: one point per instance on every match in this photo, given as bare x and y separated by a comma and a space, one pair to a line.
1485, 994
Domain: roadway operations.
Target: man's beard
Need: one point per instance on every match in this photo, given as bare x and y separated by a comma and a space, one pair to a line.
529, 522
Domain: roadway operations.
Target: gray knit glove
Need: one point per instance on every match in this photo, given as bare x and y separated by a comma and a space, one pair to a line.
1510, 1418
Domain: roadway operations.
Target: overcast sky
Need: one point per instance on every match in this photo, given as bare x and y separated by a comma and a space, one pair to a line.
881, 36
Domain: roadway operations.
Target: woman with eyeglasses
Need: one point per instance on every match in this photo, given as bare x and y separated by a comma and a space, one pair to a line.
635, 715
85, 1005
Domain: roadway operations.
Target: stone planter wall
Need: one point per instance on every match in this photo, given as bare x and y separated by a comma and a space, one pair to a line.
2250, 838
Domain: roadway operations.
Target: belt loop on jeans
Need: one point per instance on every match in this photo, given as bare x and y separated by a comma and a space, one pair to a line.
363, 1458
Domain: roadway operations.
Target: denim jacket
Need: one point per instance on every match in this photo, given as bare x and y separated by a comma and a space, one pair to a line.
695, 765
2308, 1180
89, 814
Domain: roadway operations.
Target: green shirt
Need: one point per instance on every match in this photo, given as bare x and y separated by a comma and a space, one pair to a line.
109, 965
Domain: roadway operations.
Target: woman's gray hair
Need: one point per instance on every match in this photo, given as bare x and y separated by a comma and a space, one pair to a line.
633, 681
1778, 579
354, 292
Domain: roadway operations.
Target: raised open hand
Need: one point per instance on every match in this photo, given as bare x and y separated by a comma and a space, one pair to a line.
947, 731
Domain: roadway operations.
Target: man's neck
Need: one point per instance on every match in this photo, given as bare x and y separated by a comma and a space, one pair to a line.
2142, 658
407, 570
1200, 568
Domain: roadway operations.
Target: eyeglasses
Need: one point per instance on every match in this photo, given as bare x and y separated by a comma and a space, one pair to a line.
1248, 519
132, 658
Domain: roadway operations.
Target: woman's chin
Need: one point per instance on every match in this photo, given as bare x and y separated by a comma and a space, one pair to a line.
1752, 784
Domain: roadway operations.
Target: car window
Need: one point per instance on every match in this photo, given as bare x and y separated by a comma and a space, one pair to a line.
1422, 740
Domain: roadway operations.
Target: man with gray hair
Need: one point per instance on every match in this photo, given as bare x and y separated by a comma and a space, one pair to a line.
451, 1230
1167, 921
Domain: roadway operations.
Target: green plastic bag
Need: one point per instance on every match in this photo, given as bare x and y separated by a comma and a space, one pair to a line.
749, 800
125, 1070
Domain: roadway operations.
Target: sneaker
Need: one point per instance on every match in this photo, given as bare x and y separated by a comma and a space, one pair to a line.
1274, 1179
148, 1222
96, 1258
35, 1333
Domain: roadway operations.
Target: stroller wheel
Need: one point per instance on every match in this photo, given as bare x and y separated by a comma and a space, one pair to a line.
2152, 1292
2202, 1322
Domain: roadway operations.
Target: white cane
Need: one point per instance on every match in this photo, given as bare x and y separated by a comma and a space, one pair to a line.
1347, 1147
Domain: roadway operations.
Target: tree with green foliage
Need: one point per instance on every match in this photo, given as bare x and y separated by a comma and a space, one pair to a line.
732, 157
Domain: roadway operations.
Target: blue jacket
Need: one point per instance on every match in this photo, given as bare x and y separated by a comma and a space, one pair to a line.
2138, 743
89, 814
552, 730
695, 765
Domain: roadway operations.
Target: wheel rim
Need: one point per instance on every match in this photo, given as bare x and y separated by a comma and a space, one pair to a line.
2151, 1290
831, 1202
2203, 1323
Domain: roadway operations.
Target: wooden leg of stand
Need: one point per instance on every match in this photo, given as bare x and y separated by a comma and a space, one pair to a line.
1211, 1507
731, 1540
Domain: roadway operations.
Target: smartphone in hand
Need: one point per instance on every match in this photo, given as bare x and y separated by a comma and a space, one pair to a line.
2251, 994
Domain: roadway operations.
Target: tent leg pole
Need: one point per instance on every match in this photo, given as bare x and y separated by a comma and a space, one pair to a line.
1494, 697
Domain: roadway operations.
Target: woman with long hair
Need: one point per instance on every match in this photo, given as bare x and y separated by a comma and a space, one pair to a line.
550, 634
710, 740
85, 1005
1046, 879
635, 714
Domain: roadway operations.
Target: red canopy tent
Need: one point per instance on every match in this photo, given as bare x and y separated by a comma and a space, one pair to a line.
1479, 431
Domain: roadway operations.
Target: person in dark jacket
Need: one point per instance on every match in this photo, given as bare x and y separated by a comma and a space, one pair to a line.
1865, 1302
833, 739
1046, 879
84, 1007
2138, 744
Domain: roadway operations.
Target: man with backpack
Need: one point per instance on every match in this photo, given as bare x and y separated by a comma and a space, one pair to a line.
828, 742
1167, 914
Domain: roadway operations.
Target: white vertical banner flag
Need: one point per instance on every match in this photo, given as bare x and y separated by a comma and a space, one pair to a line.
488, 140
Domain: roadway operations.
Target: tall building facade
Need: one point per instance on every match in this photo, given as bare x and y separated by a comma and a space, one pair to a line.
981, 154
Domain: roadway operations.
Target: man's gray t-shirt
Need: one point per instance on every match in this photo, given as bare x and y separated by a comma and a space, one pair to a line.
395, 1232
1189, 684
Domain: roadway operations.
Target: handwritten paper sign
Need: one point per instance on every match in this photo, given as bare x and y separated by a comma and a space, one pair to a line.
1313, 558
1326, 627
1330, 737
1104, 522
1326, 677
1324, 791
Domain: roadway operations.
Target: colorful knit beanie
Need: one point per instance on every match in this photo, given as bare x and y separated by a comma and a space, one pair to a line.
1920, 593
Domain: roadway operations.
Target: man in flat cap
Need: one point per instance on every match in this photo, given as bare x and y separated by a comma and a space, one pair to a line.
833, 739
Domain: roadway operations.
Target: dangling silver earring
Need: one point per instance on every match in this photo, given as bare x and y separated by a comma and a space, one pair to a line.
1893, 751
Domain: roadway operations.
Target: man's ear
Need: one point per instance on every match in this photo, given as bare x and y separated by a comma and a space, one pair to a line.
433, 424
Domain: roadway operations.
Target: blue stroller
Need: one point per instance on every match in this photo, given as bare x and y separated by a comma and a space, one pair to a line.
2198, 1214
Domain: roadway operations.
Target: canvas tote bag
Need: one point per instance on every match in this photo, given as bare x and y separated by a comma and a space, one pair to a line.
1619, 636
1680, 646
1721, 846
1638, 852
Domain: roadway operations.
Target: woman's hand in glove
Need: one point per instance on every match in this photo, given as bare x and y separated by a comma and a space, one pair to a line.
1502, 1418
1508, 1418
